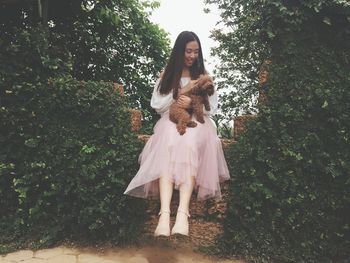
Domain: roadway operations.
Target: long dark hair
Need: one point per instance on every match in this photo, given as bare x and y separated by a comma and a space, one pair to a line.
170, 80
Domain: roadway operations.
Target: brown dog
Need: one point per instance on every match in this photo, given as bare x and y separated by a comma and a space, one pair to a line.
199, 97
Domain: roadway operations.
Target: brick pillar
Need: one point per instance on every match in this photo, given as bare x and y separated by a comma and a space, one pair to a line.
240, 124
263, 77
135, 119
119, 88
135, 113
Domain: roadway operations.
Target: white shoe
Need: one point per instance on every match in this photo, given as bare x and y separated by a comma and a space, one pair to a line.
181, 226
163, 228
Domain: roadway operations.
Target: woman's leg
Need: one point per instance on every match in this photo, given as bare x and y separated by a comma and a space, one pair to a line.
183, 213
165, 192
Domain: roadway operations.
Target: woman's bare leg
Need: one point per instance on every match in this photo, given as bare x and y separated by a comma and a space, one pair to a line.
165, 192
181, 223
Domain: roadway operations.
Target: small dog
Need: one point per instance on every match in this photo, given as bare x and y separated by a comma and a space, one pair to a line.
199, 97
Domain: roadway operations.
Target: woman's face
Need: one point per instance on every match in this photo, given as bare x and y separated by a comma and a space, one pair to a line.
191, 53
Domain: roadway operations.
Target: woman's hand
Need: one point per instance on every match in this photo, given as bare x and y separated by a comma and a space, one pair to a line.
191, 84
188, 87
183, 101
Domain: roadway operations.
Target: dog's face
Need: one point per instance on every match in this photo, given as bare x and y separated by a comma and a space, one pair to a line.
206, 84
208, 87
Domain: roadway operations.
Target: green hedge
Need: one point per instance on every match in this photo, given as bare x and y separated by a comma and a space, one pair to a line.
67, 154
290, 198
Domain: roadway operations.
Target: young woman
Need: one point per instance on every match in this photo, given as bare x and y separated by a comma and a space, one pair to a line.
186, 162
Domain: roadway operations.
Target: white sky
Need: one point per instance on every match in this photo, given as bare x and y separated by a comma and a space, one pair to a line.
175, 16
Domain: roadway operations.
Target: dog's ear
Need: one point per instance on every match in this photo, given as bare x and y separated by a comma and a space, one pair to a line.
200, 80
207, 78
211, 91
209, 88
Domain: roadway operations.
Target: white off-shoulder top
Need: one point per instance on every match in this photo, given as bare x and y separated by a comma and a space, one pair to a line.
161, 103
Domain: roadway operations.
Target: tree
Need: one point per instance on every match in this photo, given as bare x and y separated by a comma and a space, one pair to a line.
241, 51
111, 40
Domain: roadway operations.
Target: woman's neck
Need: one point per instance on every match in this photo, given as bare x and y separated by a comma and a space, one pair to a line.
185, 72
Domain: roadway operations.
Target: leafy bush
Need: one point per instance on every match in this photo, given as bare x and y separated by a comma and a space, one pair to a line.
67, 154
290, 175
290, 199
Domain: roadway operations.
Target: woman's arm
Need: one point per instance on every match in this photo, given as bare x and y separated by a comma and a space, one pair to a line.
160, 102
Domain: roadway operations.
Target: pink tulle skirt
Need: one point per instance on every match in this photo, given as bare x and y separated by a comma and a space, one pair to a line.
178, 157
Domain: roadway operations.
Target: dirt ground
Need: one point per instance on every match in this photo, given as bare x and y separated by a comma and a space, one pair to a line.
159, 252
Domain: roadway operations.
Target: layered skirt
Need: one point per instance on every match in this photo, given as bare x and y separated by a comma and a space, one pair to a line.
168, 154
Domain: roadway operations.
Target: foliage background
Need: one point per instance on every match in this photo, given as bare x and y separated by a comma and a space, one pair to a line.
290, 171
110, 40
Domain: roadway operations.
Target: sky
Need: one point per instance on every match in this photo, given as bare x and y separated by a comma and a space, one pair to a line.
175, 16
